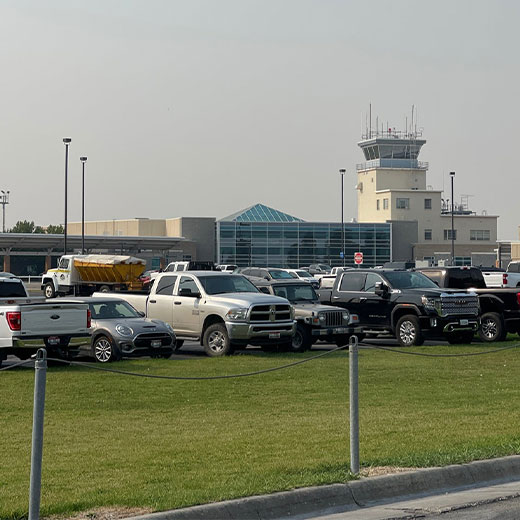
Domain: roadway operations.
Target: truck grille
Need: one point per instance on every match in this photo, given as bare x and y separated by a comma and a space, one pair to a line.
144, 340
459, 304
333, 318
271, 313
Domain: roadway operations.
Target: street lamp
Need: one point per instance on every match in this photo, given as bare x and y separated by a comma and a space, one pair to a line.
342, 173
66, 142
83, 161
452, 175
4, 199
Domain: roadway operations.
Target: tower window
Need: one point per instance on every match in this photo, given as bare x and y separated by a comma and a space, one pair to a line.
402, 203
427, 203
377, 204
427, 234
447, 234
385, 203
479, 234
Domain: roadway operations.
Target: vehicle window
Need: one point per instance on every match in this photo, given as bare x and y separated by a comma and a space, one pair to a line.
352, 282
477, 279
304, 274
165, 285
460, 279
280, 275
112, 310
409, 280
296, 293
370, 282
513, 267
434, 275
187, 283
180, 267
259, 273
64, 263
12, 290
226, 284
170, 268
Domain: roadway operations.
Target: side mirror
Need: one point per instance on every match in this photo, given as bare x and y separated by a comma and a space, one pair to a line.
141, 313
266, 277
189, 293
381, 289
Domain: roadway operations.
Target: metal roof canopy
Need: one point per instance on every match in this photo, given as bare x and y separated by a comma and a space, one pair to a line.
54, 243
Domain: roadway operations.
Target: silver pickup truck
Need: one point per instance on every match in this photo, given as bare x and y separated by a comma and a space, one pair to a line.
222, 311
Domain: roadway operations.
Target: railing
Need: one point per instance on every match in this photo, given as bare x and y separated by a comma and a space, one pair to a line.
393, 163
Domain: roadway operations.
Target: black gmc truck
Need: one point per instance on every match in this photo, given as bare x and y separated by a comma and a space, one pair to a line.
406, 304
499, 307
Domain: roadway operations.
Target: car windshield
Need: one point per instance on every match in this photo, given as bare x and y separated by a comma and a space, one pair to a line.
12, 289
304, 274
226, 284
112, 309
280, 275
409, 280
296, 293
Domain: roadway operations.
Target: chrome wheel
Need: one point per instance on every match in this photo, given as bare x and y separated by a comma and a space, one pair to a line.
217, 342
407, 332
49, 290
103, 350
489, 328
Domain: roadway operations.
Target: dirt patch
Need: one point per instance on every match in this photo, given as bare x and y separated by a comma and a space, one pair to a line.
376, 471
103, 513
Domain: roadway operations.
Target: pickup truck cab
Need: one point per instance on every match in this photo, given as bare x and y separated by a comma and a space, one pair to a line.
314, 321
406, 304
222, 311
499, 307
27, 324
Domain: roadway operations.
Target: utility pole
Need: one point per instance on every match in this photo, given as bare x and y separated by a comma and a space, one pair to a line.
4, 199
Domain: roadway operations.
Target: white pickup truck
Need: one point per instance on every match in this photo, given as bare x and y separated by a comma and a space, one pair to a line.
509, 278
222, 311
327, 280
27, 324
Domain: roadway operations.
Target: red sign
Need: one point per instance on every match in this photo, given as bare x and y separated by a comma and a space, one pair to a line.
358, 258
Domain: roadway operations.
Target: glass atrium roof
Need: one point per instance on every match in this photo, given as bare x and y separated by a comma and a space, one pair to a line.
260, 213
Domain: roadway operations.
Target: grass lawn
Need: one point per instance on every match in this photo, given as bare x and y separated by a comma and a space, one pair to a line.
126, 441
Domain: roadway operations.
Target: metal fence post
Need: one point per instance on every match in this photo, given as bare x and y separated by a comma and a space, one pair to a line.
40, 373
354, 405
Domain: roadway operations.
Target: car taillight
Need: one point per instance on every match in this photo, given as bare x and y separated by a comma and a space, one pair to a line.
504, 279
518, 298
14, 320
89, 318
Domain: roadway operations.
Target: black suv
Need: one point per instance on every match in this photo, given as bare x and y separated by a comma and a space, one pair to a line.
406, 304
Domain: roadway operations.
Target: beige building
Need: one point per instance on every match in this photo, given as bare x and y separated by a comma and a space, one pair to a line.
392, 187
199, 233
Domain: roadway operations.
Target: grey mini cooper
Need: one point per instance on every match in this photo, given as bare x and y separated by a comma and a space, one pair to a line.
119, 330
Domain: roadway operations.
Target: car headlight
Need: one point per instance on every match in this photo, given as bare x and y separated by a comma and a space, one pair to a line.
169, 327
237, 314
431, 304
292, 312
346, 317
123, 330
322, 317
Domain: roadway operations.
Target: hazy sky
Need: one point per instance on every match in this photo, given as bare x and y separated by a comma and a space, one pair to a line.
204, 107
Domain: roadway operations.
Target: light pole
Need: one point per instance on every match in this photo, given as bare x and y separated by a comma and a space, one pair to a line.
66, 141
452, 175
83, 161
342, 173
4, 199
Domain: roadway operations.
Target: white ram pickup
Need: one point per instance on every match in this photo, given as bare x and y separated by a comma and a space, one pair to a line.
222, 311
509, 278
327, 280
27, 324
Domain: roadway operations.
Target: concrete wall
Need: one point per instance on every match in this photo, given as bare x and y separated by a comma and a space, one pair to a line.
125, 227
199, 229
404, 237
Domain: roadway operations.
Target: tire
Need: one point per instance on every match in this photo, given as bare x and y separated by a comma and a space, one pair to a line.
408, 331
104, 350
302, 339
49, 291
492, 327
178, 344
104, 288
216, 341
460, 338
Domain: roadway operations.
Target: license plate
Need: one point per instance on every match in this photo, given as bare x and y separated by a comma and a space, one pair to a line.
339, 331
274, 335
464, 322
53, 340
156, 343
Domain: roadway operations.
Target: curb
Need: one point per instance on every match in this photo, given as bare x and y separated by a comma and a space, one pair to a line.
352, 495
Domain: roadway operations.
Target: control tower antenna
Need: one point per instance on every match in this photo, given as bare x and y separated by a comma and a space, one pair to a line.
370, 121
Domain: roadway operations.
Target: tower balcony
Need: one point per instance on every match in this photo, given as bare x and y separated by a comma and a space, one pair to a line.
400, 164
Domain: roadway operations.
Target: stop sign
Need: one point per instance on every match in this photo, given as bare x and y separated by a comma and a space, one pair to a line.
358, 258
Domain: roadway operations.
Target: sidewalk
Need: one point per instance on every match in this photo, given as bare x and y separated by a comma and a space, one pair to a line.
355, 495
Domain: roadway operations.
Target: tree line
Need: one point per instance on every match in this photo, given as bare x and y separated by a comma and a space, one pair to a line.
24, 226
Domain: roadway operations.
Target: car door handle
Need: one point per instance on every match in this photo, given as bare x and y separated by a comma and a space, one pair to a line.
177, 303
153, 301
335, 297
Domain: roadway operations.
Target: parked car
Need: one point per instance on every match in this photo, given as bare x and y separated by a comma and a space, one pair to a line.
226, 268
222, 311
510, 278
499, 307
406, 304
146, 279
300, 274
314, 321
266, 273
119, 330
320, 269
327, 280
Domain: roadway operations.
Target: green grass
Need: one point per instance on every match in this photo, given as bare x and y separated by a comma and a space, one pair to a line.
112, 440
